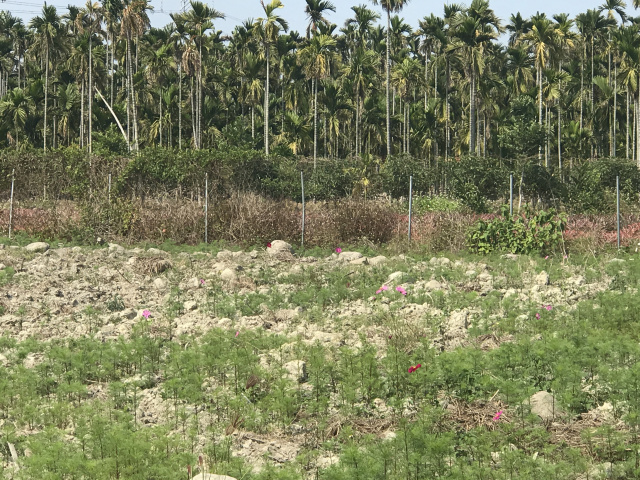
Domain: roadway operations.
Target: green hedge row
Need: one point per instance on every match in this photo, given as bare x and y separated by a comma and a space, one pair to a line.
474, 181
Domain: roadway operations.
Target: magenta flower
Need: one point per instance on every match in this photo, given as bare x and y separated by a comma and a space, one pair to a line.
548, 307
269, 245
401, 290
146, 313
547, 257
413, 369
202, 281
497, 416
338, 250
237, 333
537, 316
565, 257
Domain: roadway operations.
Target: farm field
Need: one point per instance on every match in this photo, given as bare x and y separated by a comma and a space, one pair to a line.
279, 364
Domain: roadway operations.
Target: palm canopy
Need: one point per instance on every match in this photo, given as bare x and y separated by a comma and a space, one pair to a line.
315, 11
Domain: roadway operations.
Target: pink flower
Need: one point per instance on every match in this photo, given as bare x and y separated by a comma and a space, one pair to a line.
146, 313
565, 257
537, 316
548, 307
379, 291
547, 257
384, 288
237, 333
202, 281
390, 336
338, 250
497, 416
401, 290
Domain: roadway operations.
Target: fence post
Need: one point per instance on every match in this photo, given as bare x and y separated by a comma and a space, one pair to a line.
618, 207
206, 208
511, 194
410, 203
13, 179
303, 212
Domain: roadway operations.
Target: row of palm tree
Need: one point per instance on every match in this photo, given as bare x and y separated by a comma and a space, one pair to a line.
446, 88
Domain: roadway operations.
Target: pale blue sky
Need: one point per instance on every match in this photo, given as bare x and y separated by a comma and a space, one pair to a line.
293, 11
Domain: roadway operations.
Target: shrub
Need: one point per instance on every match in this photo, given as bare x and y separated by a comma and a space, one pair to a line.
528, 233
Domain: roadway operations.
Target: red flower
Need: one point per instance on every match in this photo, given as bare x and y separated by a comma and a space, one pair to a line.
269, 245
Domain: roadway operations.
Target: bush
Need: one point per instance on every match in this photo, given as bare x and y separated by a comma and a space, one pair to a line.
524, 234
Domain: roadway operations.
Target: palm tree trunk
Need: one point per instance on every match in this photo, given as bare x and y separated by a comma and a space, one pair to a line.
180, 104
448, 133
584, 54
637, 131
89, 94
266, 107
46, 92
388, 70
81, 139
315, 121
160, 119
253, 123
627, 128
615, 107
560, 138
472, 113
539, 74
357, 123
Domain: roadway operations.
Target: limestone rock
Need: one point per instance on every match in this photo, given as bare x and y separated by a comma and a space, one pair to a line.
360, 261
37, 247
212, 476
433, 285
296, 371
160, 283
349, 256
440, 261
541, 279
545, 406
228, 275
279, 247
115, 248
154, 251
379, 260
190, 305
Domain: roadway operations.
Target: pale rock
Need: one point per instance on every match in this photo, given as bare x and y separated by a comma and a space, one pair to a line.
349, 256
253, 254
440, 261
228, 275
154, 251
433, 285
160, 283
128, 314
212, 476
279, 247
379, 260
190, 305
132, 260
296, 371
359, 261
470, 273
37, 247
395, 277
616, 260
544, 405
484, 277
541, 279
223, 254
2, 266
3, 360
511, 256
115, 248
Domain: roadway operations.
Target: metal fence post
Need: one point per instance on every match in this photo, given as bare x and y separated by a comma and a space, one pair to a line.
618, 208
410, 203
13, 179
206, 208
303, 212
511, 194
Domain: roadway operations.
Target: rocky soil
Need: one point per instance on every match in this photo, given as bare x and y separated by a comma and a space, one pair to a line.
61, 292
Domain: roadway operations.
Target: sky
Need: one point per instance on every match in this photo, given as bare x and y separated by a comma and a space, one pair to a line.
237, 11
